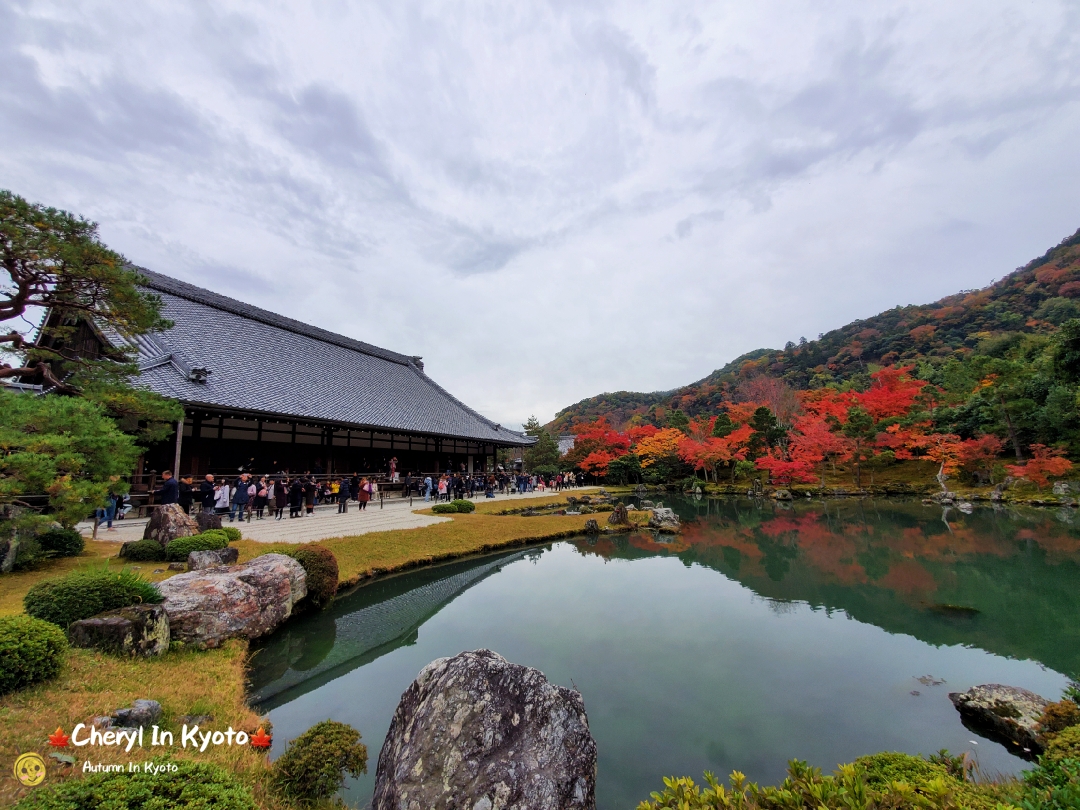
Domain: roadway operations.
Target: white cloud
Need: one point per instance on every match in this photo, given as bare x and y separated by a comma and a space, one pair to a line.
550, 200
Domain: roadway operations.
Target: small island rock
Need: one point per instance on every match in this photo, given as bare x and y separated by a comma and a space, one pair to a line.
476, 731
618, 517
1007, 714
664, 520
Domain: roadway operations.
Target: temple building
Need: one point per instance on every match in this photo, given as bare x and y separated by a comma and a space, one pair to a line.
266, 393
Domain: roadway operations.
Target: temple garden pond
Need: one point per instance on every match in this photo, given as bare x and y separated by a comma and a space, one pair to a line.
764, 632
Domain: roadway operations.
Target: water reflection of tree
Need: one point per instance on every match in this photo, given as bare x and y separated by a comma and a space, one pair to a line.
890, 563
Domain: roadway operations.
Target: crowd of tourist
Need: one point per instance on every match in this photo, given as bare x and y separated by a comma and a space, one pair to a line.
250, 497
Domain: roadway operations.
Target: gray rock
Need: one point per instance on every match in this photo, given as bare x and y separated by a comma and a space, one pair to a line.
142, 713
618, 517
664, 520
591, 526
1007, 714
208, 520
236, 601
175, 566
647, 504
195, 719
782, 495
477, 732
169, 522
198, 560
1062, 488
135, 630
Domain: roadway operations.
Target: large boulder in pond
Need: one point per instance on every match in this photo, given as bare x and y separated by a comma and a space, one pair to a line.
134, 630
168, 522
618, 516
235, 601
476, 731
1007, 714
664, 520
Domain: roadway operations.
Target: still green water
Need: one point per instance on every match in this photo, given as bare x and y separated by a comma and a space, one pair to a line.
764, 632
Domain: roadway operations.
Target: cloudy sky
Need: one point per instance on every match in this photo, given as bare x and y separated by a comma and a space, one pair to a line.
548, 200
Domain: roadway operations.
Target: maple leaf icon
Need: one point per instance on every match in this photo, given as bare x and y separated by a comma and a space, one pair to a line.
261, 739
58, 739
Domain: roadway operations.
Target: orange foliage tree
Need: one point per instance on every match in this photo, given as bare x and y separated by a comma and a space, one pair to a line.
662, 444
1045, 462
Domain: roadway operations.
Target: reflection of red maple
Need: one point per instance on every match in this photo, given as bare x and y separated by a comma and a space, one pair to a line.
261, 739
58, 739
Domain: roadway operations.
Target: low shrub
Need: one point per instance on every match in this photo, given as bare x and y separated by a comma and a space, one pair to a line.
1059, 716
321, 567
605, 507
178, 549
1063, 745
31, 650
1054, 784
220, 534
29, 553
444, 509
891, 781
314, 765
193, 785
233, 534
62, 543
463, 506
881, 769
143, 551
85, 593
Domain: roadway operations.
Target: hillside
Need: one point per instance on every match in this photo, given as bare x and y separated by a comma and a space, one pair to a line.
1035, 298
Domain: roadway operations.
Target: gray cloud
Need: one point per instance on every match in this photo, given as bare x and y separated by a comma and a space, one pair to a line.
529, 194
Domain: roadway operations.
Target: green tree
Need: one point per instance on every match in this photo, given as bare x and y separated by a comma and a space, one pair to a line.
678, 420
61, 453
767, 432
56, 262
723, 426
624, 470
1067, 352
861, 431
545, 453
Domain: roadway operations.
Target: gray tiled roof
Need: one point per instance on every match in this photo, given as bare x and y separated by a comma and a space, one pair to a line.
264, 362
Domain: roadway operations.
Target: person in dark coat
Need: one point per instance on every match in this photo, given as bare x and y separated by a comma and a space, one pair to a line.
343, 496
186, 495
281, 498
170, 489
240, 497
354, 487
296, 498
310, 488
207, 494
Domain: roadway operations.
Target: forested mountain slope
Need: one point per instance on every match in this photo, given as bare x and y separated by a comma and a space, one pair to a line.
1035, 298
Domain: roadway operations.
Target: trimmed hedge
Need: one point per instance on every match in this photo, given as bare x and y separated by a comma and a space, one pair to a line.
321, 567
193, 785
86, 593
62, 542
231, 533
31, 651
178, 549
454, 506
313, 767
143, 551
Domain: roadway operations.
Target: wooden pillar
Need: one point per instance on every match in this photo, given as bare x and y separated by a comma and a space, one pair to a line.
179, 444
